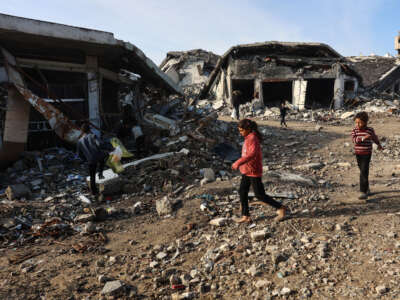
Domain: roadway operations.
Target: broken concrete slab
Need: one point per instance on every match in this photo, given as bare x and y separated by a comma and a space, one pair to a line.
347, 114
164, 206
163, 123
313, 166
259, 235
290, 177
113, 287
219, 221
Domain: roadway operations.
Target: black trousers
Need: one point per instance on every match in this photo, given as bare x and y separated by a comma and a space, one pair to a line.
283, 122
237, 111
92, 173
259, 192
363, 164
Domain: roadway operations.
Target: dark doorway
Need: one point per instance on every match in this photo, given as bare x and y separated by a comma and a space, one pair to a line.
319, 93
274, 93
246, 87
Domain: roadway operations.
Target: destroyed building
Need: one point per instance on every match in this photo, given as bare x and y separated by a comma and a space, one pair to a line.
379, 73
85, 74
308, 75
190, 70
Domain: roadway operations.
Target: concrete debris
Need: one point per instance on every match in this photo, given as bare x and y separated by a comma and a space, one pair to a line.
189, 69
290, 177
259, 235
209, 174
115, 287
169, 208
164, 206
163, 123
219, 222
381, 289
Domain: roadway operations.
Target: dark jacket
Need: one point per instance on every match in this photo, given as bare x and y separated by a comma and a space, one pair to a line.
236, 98
88, 148
283, 110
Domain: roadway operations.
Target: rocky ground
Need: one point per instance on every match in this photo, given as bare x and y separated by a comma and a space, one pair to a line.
332, 246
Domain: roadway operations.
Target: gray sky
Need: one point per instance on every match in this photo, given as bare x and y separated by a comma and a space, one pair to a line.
352, 27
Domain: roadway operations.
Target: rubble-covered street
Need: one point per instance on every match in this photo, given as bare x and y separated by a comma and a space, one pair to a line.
121, 177
174, 236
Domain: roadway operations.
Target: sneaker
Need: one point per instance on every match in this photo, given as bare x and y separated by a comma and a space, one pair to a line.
363, 196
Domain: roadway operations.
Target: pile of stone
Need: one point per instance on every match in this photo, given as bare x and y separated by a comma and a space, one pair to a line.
52, 183
325, 115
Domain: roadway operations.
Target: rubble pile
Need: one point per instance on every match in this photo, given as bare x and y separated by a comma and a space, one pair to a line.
52, 183
299, 258
382, 104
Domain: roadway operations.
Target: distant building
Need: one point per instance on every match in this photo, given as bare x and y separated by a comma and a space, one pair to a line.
309, 75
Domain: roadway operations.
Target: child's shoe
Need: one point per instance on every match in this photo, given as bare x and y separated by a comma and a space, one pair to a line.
244, 219
363, 196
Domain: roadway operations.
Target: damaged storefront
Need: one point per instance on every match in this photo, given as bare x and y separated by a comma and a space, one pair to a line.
307, 75
69, 73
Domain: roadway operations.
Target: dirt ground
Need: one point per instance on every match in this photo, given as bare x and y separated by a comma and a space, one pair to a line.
363, 242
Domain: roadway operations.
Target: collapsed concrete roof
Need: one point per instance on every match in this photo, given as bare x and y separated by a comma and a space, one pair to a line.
37, 39
198, 54
276, 49
377, 72
189, 69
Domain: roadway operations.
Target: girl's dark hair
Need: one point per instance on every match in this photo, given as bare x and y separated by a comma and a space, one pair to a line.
363, 116
248, 124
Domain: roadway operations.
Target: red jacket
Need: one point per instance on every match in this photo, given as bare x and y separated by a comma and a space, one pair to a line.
250, 164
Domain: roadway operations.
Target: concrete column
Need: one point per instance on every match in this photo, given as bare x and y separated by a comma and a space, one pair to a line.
16, 123
15, 127
338, 92
229, 84
94, 92
257, 88
299, 93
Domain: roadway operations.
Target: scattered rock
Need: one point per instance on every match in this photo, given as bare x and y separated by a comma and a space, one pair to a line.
219, 221
164, 206
381, 289
259, 235
114, 288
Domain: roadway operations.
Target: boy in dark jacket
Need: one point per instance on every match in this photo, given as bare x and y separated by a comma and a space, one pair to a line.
283, 110
236, 101
363, 137
88, 148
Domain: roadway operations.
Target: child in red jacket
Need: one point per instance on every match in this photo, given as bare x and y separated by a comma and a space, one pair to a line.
250, 165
